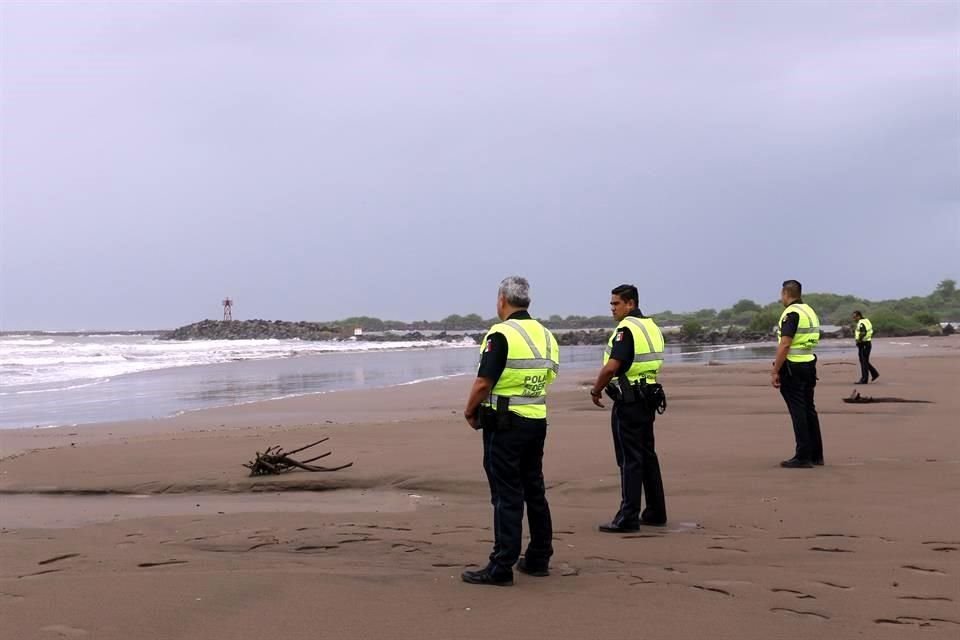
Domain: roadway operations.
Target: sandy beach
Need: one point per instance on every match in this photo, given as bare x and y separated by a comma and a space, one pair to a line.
153, 529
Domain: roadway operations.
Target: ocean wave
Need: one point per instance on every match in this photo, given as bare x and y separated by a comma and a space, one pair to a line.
24, 392
430, 379
72, 360
717, 349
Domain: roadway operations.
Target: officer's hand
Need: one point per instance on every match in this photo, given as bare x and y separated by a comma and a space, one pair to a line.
473, 420
775, 379
596, 398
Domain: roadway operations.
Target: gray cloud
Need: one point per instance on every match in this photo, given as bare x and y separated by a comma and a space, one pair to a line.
321, 160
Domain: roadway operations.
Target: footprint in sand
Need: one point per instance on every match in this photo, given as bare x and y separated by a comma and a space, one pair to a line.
735, 549
317, 547
916, 569
605, 559
834, 585
64, 631
65, 556
722, 592
162, 563
927, 598
800, 595
917, 621
352, 540
386, 528
39, 573
831, 550
803, 614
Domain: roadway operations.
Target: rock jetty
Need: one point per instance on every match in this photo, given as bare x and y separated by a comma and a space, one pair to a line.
253, 330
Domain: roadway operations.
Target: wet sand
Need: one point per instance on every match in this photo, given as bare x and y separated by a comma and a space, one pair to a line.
153, 529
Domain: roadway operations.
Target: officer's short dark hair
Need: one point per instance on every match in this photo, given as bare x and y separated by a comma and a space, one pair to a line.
793, 288
858, 313
627, 292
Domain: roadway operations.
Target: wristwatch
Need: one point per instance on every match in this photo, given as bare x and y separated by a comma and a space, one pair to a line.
596, 394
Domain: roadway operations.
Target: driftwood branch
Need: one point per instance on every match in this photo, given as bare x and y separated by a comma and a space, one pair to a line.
275, 461
856, 398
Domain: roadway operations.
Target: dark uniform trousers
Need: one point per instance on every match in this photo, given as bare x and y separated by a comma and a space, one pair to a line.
863, 351
633, 444
513, 460
797, 383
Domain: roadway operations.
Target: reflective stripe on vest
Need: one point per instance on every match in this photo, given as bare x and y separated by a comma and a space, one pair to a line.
518, 400
647, 354
808, 333
533, 361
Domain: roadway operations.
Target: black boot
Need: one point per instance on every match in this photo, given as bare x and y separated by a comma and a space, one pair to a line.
491, 574
796, 463
538, 570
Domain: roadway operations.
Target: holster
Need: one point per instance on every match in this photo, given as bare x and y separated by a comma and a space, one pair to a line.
649, 396
496, 419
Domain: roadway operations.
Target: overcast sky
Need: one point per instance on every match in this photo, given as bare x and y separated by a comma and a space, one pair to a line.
318, 160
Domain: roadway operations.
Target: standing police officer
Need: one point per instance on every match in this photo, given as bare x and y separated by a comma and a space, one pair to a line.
863, 334
519, 359
795, 374
633, 357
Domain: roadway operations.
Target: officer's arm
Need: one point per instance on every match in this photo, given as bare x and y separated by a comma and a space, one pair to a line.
782, 349
606, 374
862, 331
492, 363
480, 390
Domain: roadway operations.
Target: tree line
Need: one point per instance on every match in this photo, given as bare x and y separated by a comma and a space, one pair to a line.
904, 316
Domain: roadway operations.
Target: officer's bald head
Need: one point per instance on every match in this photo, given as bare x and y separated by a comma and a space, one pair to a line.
515, 290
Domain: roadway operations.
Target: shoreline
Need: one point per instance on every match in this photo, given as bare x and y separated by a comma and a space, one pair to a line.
833, 346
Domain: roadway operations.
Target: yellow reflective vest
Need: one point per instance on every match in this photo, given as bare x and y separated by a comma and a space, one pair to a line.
648, 348
533, 361
808, 333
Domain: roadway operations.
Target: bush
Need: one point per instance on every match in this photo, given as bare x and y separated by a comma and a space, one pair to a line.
764, 321
890, 323
691, 329
926, 319
745, 305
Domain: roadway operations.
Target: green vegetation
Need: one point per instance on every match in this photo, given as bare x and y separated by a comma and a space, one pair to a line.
691, 329
905, 316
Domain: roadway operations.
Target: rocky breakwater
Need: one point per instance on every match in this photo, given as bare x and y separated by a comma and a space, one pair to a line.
601, 336
252, 330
